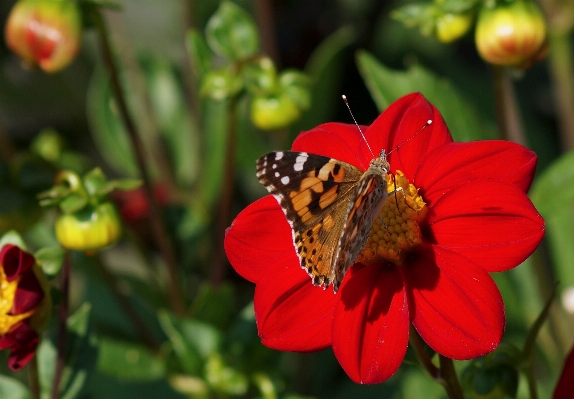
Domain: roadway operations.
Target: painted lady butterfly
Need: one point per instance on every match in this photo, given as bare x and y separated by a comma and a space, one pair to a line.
330, 205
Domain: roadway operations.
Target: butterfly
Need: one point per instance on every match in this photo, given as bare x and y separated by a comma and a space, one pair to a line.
330, 205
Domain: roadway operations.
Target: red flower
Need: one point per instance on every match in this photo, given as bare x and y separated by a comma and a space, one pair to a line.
23, 305
478, 220
565, 387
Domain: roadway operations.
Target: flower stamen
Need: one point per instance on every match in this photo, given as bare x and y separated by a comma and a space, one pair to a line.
397, 229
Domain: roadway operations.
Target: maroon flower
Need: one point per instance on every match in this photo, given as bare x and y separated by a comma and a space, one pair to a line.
23, 305
477, 219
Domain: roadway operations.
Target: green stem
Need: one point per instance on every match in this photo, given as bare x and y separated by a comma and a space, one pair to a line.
219, 263
449, 378
531, 380
422, 355
561, 70
445, 375
157, 223
507, 111
62, 328
33, 379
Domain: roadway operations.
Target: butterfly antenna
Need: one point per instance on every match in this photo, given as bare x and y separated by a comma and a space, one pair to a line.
356, 124
428, 123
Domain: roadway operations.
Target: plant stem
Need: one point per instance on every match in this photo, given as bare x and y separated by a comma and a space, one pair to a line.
62, 328
219, 262
445, 375
449, 378
33, 378
531, 383
507, 111
131, 313
561, 68
422, 356
157, 223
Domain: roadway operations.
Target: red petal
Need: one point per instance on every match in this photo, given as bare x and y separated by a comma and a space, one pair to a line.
492, 223
565, 387
398, 126
28, 295
292, 314
371, 323
22, 340
457, 163
455, 307
15, 261
259, 235
336, 140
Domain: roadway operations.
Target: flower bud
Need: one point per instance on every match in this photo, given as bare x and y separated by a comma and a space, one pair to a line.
273, 112
511, 34
89, 229
449, 27
45, 32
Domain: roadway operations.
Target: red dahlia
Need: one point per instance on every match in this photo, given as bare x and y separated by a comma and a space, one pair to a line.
464, 214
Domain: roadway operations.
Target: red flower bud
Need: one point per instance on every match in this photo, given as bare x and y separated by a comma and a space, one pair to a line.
45, 32
512, 34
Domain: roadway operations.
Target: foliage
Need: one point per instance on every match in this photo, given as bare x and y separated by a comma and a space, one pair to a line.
176, 101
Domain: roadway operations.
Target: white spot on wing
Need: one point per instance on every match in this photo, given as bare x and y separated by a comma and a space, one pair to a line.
274, 166
278, 156
300, 161
277, 174
285, 180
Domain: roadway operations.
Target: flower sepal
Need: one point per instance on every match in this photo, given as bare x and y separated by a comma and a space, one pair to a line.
89, 221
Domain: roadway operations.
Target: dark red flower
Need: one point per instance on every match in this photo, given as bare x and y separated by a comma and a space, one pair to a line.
565, 387
23, 305
477, 220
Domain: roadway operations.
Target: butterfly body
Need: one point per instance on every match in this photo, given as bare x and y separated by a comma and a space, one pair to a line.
330, 206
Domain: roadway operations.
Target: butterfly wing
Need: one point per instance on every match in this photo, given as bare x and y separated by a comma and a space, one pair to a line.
364, 206
312, 190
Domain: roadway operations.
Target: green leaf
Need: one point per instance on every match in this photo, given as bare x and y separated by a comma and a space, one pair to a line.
46, 355
50, 259
260, 76
221, 84
420, 15
214, 305
129, 361
12, 237
11, 388
214, 122
179, 131
106, 126
387, 85
199, 53
78, 322
223, 378
192, 341
553, 195
94, 180
73, 202
232, 33
112, 185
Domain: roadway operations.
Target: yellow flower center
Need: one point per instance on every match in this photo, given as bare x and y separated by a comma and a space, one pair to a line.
397, 229
7, 293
